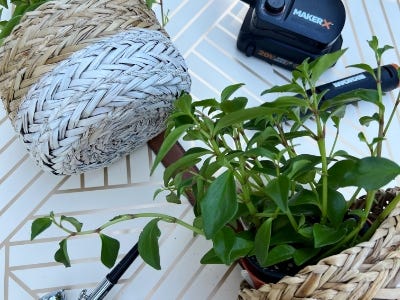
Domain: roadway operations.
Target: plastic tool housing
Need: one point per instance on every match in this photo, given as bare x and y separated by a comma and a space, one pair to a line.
285, 32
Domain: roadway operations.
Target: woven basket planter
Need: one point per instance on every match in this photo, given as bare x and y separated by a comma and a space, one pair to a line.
370, 270
87, 82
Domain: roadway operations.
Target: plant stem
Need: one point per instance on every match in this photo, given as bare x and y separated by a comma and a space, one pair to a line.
353, 197
127, 217
334, 142
396, 104
381, 110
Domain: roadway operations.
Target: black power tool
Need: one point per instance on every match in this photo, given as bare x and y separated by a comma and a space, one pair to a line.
285, 32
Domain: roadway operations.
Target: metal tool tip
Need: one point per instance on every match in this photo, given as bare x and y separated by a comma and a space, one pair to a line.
56, 295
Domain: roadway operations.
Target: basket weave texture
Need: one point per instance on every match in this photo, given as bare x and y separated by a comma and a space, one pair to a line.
370, 270
87, 82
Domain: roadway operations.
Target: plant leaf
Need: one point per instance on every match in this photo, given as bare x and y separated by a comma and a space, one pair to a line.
369, 173
300, 165
366, 120
301, 256
229, 106
262, 241
148, 244
278, 191
352, 97
61, 254
168, 143
184, 104
289, 101
336, 207
245, 115
279, 254
211, 258
74, 222
229, 90
173, 198
229, 246
325, 235
323, 63
223, 242
39, 225
364, 67
109, 250
186, 162
293, 87
304, 197
219, 204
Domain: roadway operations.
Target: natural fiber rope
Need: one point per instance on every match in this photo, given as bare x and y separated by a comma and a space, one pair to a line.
370, 270
102, 102
83, 86
54, 31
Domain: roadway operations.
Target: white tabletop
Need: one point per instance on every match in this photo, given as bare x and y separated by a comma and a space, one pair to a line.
205, 31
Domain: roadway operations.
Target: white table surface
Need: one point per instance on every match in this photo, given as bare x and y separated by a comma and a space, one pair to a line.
205, 32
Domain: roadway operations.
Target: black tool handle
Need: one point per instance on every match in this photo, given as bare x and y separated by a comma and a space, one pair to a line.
365, 80
123, 265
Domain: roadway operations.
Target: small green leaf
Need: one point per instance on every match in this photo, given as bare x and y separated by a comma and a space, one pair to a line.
364, 67
73, 221
158, 192
230, 246
150, 3
219, 204
303, 255
229, 90
373, 43
279, 254
325, 235
168, 143
289, 101
184, 104
229, 106
384, 49
304, 197
121, 218
352, 97
301, 165
109, 250
293, 87
61, 254
186, 162
39, 225
223, 242
211, 258
173, 198
366, 120
323, 63
337, 207
245, 115
262, 241
206, 103
278, 191
148, 244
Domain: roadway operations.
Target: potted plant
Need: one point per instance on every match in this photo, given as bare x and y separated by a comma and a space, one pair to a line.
256, 195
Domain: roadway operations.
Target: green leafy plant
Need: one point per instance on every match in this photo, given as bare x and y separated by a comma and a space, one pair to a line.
256, 194
20, 7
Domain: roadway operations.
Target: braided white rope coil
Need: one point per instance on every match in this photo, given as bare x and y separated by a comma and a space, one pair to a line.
103, 102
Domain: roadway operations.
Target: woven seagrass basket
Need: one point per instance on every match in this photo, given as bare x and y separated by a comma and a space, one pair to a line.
85, 82
370, 270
